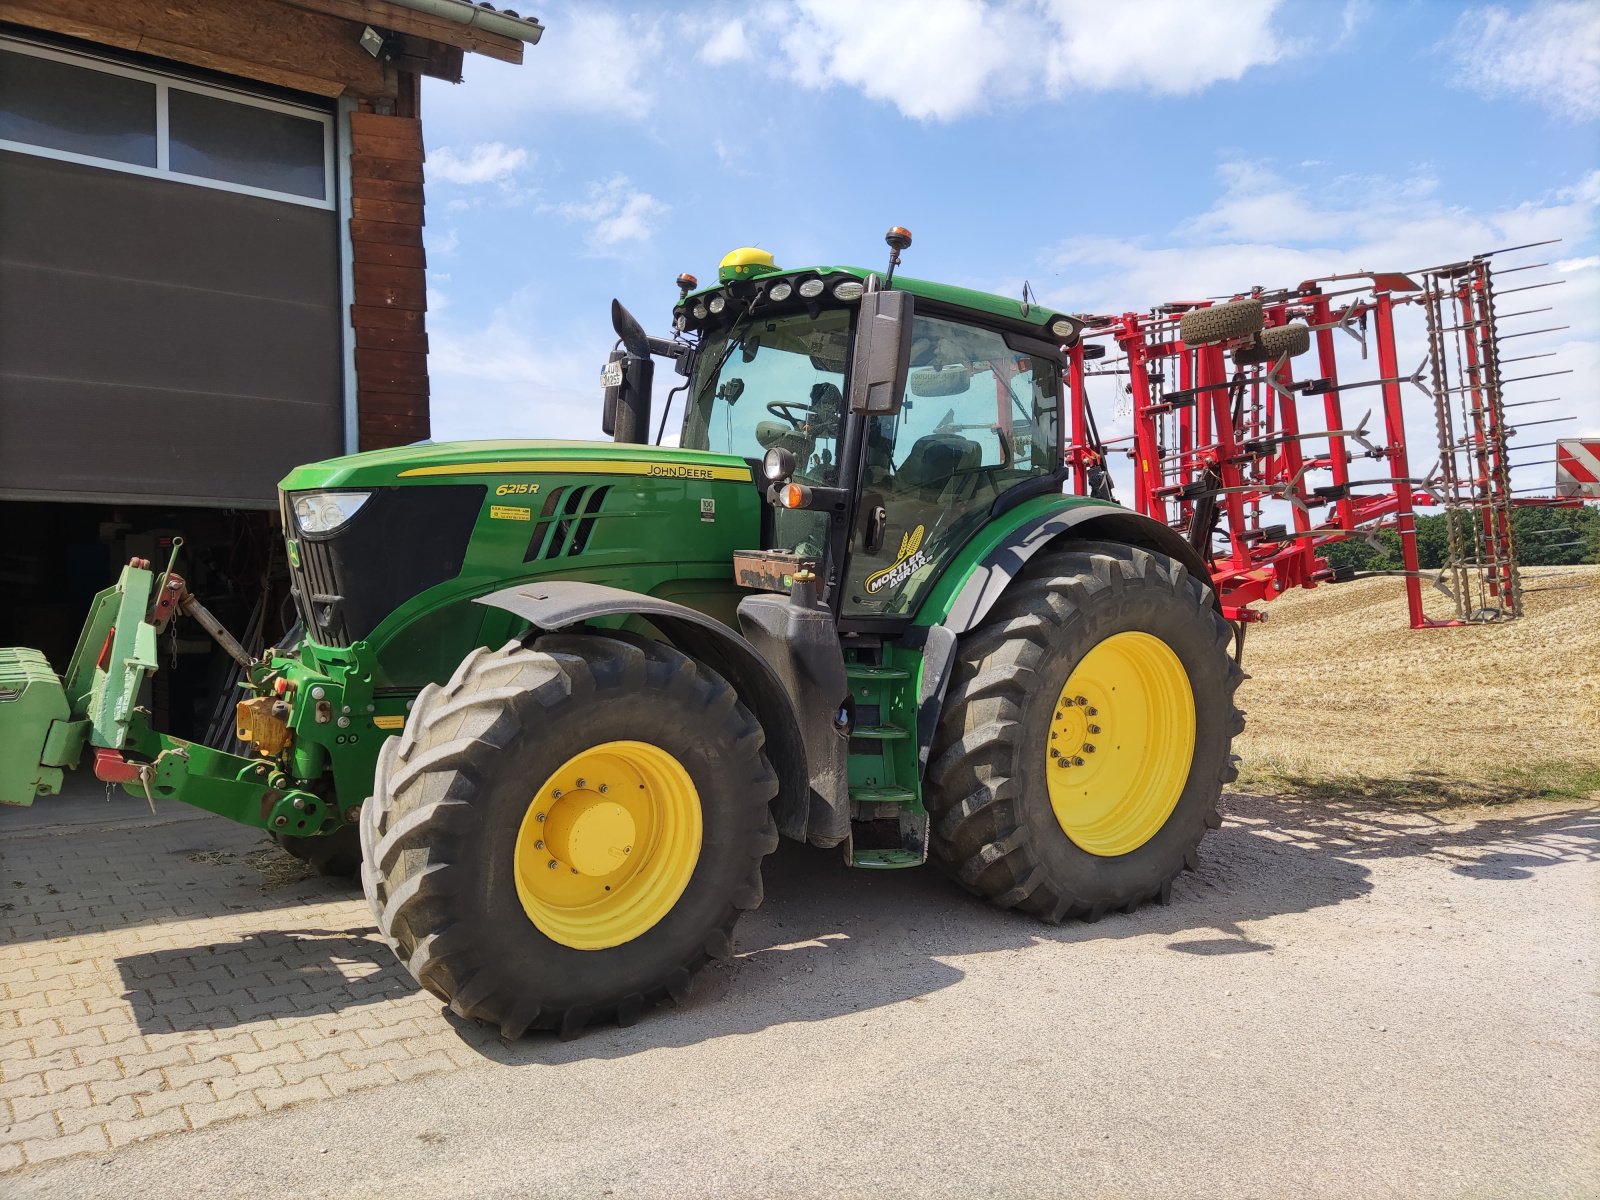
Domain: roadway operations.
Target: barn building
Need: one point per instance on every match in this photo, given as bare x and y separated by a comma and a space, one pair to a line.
211, 269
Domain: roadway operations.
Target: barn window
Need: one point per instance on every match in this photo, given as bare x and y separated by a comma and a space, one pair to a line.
55, 106
105, 114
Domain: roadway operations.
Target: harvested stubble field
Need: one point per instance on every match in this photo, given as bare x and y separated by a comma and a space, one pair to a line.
1346, 699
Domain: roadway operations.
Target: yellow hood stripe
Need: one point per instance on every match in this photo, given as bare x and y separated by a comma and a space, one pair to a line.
582, 466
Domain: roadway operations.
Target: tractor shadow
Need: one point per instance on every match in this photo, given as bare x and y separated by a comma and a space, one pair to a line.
830, 941
263, 975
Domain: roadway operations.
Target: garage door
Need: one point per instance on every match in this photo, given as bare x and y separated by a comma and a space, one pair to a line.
170, 323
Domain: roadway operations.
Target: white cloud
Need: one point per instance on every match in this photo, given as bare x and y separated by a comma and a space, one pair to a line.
486, 162
616, 212
1549, 54
502, 381
943, 59
1172, 47
442, 244
727, 44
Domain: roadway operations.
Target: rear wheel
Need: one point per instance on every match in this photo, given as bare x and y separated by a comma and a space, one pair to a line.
567, 833
1085, 739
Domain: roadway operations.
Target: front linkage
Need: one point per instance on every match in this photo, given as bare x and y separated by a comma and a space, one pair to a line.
301, 712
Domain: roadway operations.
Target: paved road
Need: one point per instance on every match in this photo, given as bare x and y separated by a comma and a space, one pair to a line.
1343, 1002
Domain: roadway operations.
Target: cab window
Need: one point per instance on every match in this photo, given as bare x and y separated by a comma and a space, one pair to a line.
978, 418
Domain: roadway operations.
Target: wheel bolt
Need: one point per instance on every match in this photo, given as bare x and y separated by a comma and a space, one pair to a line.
1094, 729
604, 788
538, 845
1054, 753
627, 849
1088, 747
1092, 711
538, 816
552, 864
1076, 761
556, 795
1079, 701
580, 781
1063, 762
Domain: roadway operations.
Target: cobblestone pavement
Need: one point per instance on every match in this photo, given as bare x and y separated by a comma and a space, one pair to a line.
168, 973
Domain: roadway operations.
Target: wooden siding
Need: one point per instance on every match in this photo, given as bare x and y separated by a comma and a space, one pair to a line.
390, 276
261, 40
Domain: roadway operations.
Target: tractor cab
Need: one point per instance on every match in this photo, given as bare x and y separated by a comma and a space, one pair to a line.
889, 418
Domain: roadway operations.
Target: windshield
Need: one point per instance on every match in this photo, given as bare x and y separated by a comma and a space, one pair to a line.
773, 381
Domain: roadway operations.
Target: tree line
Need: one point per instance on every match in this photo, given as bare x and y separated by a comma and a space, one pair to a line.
1545, 537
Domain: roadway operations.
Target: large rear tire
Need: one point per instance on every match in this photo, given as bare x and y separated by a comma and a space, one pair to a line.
567, 833
1085, 738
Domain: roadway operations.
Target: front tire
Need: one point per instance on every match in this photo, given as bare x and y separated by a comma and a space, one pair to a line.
1108, 661
567, 833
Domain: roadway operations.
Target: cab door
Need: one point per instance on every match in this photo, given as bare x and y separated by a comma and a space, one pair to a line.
979, 416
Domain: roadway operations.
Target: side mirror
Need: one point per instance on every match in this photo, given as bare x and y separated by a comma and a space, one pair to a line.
628, 379
882, 350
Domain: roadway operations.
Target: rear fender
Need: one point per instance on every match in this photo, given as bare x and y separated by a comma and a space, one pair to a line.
968, 591
559, 604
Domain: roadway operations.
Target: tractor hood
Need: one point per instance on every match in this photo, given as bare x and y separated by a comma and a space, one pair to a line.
433, 462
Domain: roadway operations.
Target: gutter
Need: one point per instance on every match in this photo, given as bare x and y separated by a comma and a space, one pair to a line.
478, 16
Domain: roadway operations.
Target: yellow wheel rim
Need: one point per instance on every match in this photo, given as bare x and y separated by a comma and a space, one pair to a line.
608, 844
1121, 744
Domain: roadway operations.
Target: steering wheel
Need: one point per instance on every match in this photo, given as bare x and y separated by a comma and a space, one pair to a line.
782, 410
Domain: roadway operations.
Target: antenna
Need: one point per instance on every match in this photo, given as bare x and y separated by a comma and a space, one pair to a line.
899, 239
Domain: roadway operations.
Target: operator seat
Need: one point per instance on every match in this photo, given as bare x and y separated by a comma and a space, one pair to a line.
934, 463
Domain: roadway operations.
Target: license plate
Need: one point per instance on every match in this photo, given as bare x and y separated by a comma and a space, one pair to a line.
612, 376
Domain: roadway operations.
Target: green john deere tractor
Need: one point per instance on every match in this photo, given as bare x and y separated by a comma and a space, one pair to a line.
556, 701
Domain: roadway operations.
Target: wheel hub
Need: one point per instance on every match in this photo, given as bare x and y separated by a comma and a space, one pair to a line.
590, 834
1121, 743
608, 844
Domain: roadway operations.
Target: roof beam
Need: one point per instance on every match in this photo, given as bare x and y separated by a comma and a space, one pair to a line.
406, 20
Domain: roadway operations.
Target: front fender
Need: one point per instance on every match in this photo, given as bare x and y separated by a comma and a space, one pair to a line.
558, 604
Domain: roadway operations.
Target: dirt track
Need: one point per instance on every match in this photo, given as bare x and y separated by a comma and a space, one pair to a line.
1343, 688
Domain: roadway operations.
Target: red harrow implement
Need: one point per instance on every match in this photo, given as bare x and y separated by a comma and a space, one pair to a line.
1257, 460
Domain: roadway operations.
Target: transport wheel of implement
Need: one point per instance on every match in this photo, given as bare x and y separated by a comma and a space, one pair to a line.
336, 855
1220, 322
1293, 340
566, 833
1085, 736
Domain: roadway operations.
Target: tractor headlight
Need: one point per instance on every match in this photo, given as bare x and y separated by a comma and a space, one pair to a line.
777, 465
811, 288
324, 512
718, 303
779, 292
848, 290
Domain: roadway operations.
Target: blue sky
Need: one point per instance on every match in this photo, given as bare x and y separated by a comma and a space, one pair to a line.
1113, 156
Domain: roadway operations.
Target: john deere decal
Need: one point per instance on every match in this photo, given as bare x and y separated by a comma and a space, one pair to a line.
907, 563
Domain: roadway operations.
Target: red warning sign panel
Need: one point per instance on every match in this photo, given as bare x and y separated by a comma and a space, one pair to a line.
1578, 469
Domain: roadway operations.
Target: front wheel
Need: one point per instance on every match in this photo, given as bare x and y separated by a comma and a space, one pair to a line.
567, 833
1085, 739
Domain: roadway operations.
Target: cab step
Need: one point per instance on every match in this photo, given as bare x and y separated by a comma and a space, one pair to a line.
872, 671
883, 860
882, 733
882, 795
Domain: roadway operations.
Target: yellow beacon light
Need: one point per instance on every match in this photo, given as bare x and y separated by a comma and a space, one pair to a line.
746, 262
